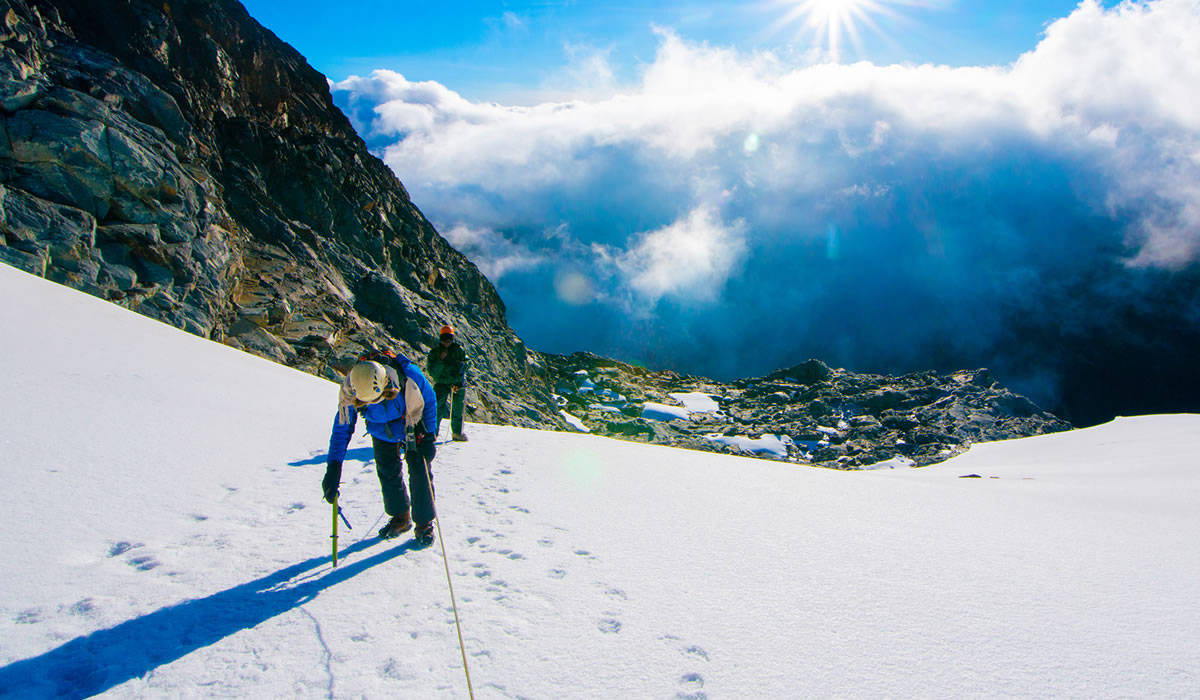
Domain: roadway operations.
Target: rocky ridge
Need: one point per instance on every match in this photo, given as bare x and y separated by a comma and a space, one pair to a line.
809, 413
180, 160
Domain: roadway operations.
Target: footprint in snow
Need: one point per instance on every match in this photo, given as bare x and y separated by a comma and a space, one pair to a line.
120, 548
31, 616
691, 684
143, 562
85, 607
688, 650
609, 626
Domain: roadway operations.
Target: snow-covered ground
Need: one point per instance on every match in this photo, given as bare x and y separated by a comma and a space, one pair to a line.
164, 536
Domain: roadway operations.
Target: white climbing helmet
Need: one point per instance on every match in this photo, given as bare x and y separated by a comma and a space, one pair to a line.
368, 380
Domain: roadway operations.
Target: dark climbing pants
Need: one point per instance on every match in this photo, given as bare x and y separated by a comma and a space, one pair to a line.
450, 404
391, 480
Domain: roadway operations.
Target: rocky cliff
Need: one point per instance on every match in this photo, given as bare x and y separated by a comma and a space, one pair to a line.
179, 159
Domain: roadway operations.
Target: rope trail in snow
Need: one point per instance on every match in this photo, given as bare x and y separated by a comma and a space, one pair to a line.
371, 529
325, 646
457, 626
446, 565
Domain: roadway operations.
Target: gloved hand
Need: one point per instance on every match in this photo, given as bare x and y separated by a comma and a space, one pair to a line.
333, 477
425, 440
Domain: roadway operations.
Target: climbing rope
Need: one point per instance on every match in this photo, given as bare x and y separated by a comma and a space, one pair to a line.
449, 584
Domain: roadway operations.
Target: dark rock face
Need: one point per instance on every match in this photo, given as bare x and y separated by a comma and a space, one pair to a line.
809, 413
180, 160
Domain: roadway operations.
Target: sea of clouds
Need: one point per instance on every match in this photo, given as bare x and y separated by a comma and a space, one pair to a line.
729, 213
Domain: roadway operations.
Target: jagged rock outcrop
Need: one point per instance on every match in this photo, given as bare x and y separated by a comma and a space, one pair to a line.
179, 159
809, 413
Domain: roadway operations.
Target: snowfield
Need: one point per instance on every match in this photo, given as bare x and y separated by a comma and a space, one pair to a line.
165, 537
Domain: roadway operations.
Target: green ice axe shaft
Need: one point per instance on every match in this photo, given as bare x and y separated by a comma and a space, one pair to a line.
334, 536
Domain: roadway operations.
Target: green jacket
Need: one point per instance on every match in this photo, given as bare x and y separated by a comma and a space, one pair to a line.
447, 365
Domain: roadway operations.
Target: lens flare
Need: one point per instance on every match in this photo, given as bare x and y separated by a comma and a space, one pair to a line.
573, 288
829, 22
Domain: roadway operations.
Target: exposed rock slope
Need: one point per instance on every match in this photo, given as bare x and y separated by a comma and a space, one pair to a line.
179, 159
809, 413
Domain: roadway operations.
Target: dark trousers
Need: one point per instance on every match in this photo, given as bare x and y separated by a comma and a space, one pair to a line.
450, 403
391, 480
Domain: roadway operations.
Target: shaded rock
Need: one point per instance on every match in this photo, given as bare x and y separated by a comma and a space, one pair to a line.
228, 196
808, 372
845, 421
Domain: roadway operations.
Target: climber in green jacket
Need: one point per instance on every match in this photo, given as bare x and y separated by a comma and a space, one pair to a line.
447, 369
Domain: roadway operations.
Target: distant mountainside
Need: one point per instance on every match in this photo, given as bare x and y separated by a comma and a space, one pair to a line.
809, 413
180, 160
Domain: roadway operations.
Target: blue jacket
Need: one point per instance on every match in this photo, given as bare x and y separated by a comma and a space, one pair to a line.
385, 420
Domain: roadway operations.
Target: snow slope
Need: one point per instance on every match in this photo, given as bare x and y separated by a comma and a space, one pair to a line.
165, 537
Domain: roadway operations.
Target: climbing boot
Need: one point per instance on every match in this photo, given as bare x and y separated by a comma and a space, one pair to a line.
397, 525
423, 535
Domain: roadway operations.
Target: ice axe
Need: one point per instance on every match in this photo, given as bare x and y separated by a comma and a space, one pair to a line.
337, 513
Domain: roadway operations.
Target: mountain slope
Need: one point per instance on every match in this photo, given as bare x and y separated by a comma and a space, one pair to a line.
182, 161
165, 538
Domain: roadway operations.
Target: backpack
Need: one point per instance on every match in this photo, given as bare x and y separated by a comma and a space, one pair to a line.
414, 402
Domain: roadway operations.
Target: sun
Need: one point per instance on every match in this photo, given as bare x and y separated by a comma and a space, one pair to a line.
829, 23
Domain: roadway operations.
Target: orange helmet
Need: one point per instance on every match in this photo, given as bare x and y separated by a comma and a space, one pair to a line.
446, 330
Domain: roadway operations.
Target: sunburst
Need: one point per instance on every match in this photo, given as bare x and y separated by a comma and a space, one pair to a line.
830, 22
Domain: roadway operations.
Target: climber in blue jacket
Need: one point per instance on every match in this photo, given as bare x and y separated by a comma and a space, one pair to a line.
400, 409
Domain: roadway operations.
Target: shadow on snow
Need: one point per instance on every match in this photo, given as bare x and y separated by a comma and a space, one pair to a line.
362, 454
106, 658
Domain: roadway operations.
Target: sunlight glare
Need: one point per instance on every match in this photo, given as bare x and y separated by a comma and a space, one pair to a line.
827, 22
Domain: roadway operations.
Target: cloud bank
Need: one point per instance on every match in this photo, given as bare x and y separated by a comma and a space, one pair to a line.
730, 214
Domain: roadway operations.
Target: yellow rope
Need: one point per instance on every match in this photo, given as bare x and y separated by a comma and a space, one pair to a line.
446, 565
461, 647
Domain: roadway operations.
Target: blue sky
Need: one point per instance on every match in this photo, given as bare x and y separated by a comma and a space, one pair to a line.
508, 51
713, 189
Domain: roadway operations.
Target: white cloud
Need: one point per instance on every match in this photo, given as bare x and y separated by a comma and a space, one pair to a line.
1128, 76
690, 259
494, 254
512, 20
589, 70
1113, 86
